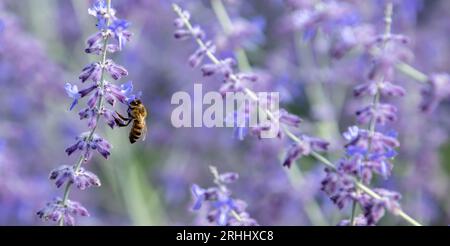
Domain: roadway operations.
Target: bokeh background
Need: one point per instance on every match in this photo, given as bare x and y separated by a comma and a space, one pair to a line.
41, 48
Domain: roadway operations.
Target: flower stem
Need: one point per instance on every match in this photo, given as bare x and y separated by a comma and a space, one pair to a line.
99, 108
352, 218
177, 9
412, 72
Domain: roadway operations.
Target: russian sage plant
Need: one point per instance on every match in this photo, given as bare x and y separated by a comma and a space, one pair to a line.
370, 150
111, 37
343, 183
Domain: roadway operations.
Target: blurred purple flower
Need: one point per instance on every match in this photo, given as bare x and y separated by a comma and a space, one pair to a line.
81, 178
72, 92
223, 209
56, 210
437, 91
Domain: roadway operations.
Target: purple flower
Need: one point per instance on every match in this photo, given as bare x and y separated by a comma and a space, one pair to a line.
95, 44
437, 91
385, 88
183, 34
228, 178
304, 148
100, 11
94, 40
201, 195
223, 209
225, 67
116, 71
85, 144
339, 185
120, 32
93, 71
197, 57
56, 210
82, 178
289, 119
374, 209
72, 92
382, 113
123, 93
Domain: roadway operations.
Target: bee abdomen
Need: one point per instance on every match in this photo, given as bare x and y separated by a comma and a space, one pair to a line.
136, 131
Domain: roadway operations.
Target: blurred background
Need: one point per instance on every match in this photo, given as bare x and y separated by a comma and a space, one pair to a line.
148, 183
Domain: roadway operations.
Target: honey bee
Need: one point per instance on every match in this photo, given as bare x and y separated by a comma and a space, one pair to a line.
137, 113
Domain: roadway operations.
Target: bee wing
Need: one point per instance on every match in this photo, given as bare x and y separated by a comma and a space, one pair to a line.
144, 132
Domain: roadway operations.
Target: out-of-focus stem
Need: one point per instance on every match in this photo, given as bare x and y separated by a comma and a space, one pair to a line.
288, 133
227, 26
99, 108
412, 72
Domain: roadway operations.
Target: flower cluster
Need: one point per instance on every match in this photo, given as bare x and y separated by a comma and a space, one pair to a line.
223, 209
370, 151
100, 92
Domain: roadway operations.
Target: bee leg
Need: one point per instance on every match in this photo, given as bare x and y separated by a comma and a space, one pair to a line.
122, 117
121, 121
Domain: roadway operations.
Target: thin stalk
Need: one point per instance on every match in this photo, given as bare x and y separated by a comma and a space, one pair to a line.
99, 108
412, 72
288, 133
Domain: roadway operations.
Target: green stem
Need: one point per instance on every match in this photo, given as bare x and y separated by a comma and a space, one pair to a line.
99, 108
353, 216
288, 133
412, 72
227, 26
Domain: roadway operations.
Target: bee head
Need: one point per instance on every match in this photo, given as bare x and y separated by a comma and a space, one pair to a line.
135, 102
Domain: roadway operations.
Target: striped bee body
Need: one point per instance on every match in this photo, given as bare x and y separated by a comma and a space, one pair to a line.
137, 113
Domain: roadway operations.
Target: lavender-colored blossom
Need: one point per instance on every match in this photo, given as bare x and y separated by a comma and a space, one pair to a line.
385, 88
304, 148
86, 145
93, 71
72, 92
223, 210
197, 57
382, 113
120, 32
81, 178
437, 91
225, 68
56, 210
